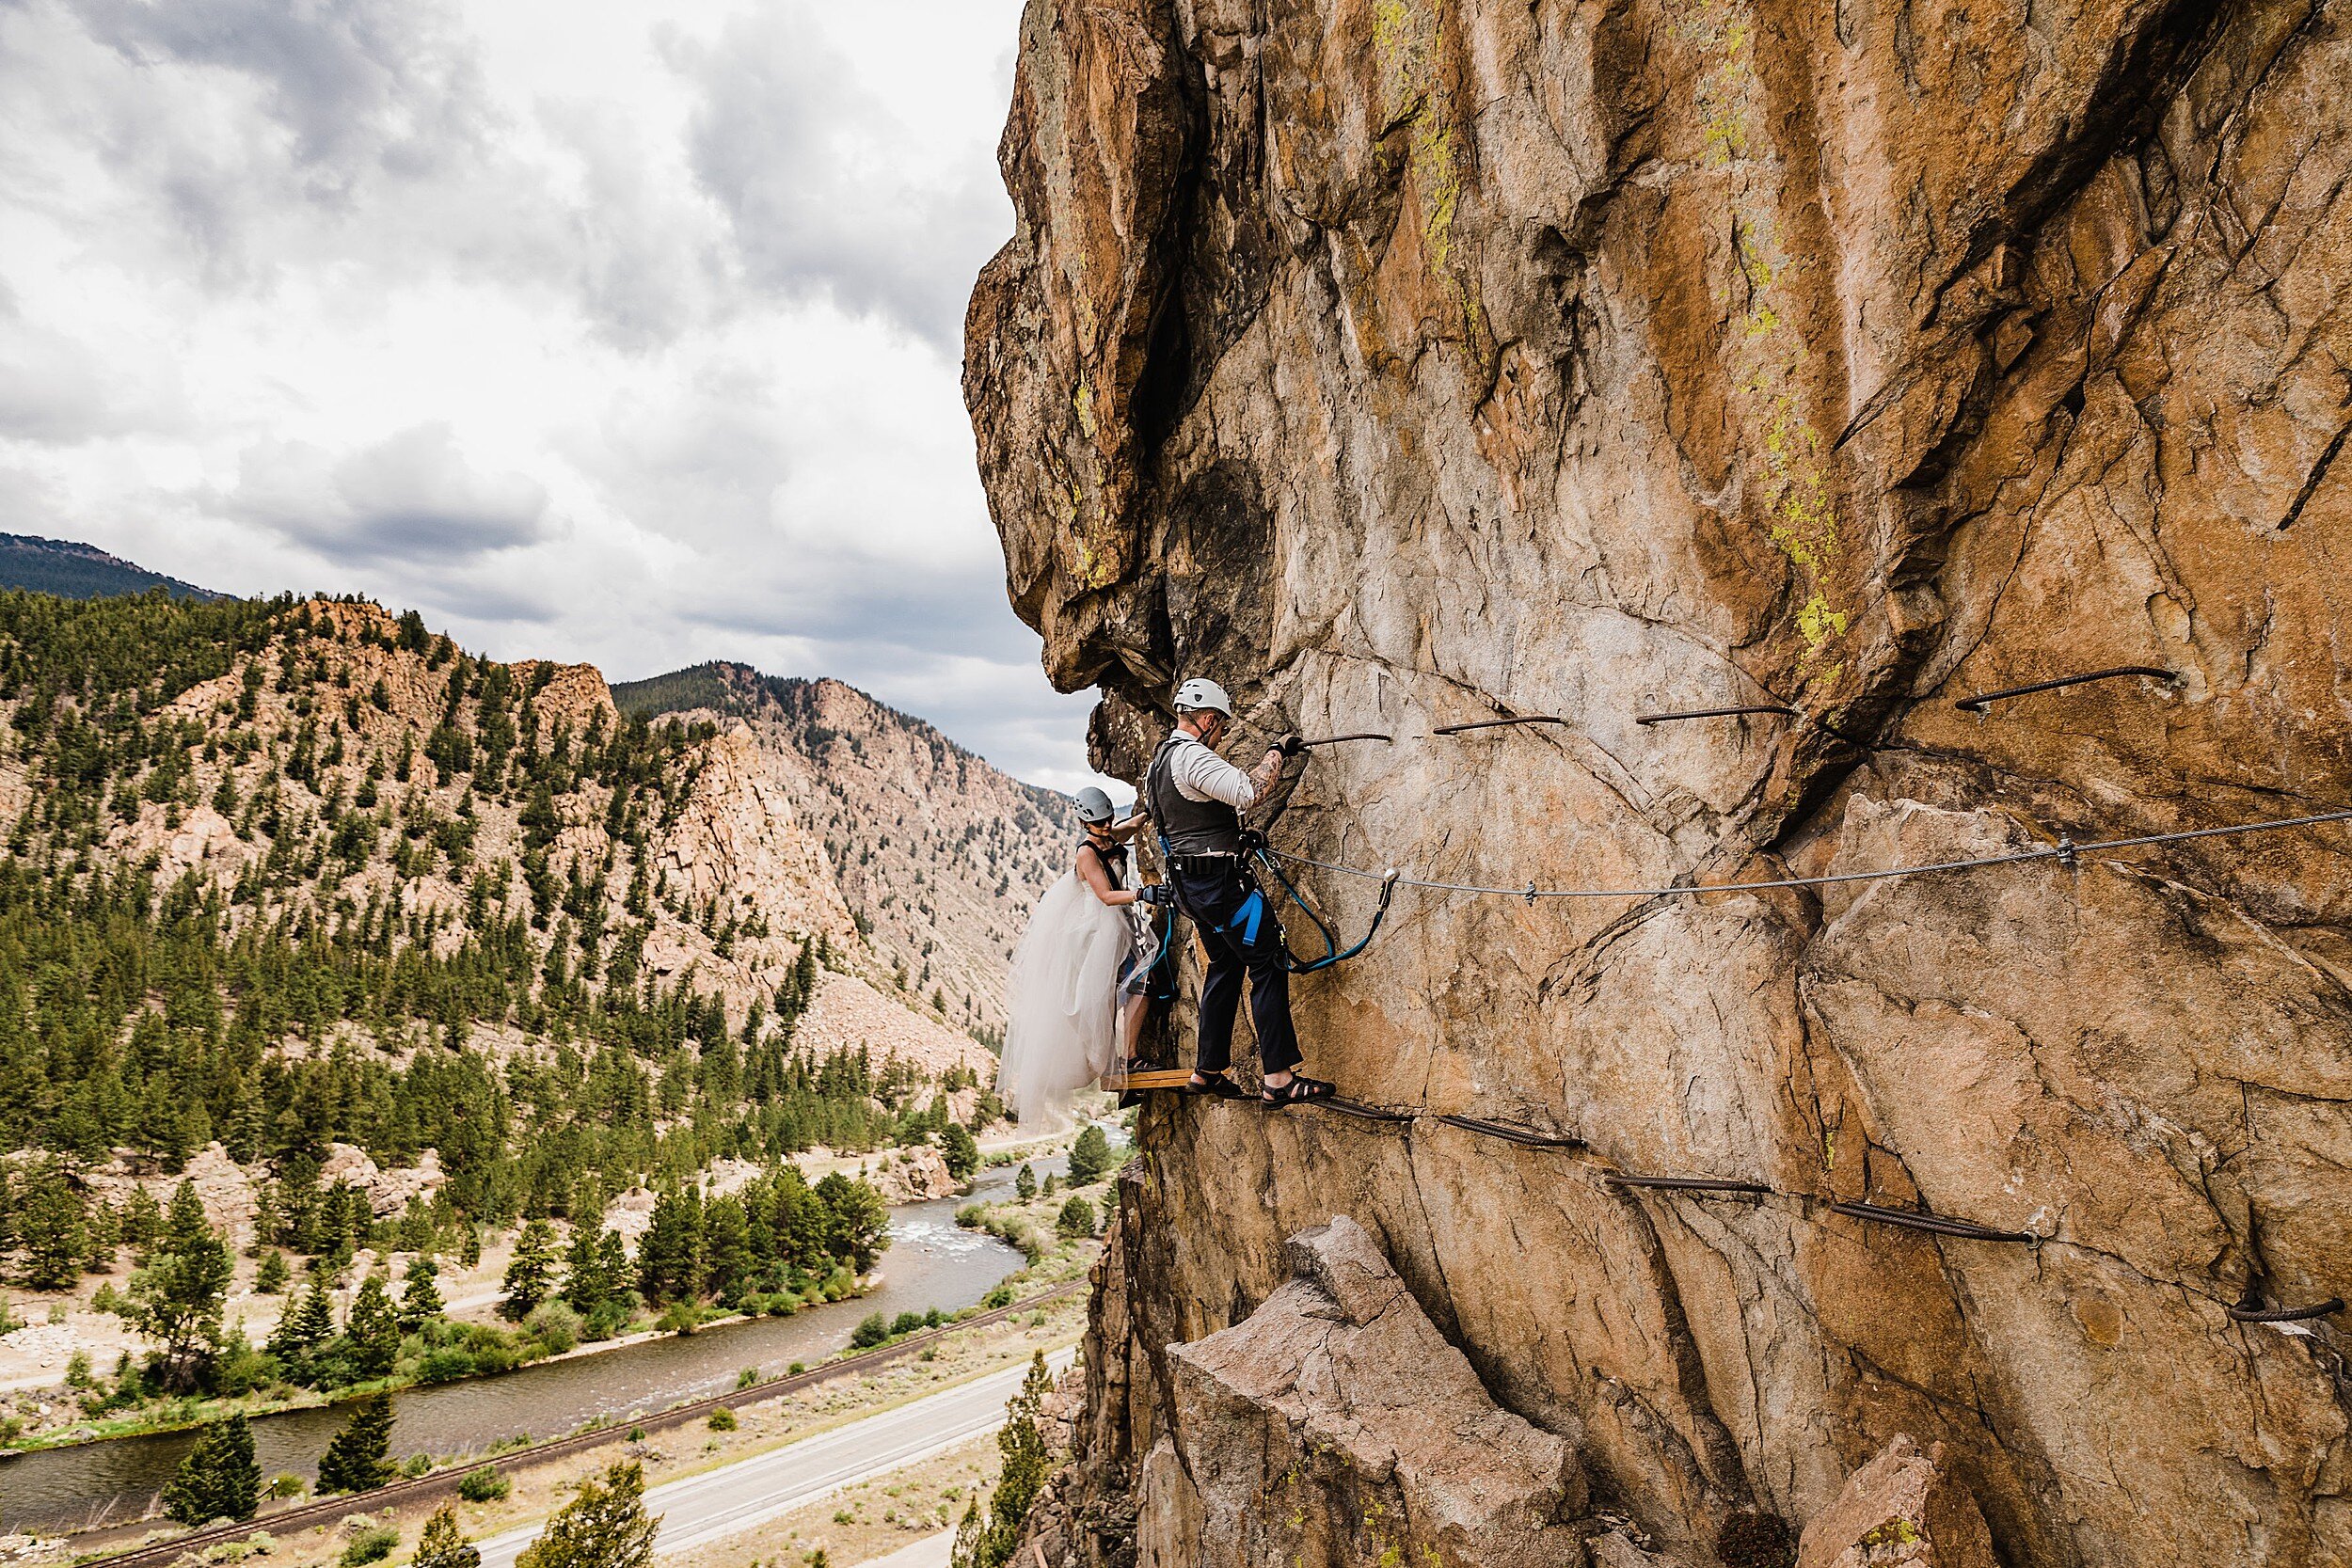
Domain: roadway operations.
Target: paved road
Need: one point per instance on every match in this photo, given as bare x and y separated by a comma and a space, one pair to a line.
705, 1508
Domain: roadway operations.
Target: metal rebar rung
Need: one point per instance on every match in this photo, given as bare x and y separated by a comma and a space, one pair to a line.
1688, 1184
1526, 1137
1978, 702
1498, 723
1349, 1108
1915, 1219
1712, 713
1339, 739
2246, 1314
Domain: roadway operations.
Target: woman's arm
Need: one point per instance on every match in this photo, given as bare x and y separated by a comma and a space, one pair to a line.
1098, 880
1124, 831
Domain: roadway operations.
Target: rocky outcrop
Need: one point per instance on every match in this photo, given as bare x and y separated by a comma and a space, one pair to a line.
1900, 1508
389, 1192
1336, 1425
1413, 363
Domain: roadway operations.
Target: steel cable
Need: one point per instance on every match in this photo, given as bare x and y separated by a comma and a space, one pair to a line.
2065, 850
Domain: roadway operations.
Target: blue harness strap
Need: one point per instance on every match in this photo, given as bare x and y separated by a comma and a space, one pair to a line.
1245, 918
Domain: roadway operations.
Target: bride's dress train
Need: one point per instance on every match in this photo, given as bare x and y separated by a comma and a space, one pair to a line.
1061, 1033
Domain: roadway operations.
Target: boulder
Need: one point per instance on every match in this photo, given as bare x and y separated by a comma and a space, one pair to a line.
1336, 1425
1902, 1510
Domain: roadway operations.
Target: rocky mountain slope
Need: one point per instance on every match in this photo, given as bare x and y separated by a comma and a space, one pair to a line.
1411, 364
937, 855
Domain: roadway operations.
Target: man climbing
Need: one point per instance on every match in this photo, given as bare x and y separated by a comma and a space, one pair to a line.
1196, 800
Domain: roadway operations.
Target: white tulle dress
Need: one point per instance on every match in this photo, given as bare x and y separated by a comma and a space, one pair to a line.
1065, 990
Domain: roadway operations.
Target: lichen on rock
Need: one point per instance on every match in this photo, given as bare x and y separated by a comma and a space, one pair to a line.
1851, 359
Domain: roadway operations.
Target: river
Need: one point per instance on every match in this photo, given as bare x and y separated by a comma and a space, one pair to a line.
930, 1264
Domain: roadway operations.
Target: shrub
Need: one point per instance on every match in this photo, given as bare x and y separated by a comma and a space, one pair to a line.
555, 1325
872, 1332
681, 1317
1000, 1296
486, 1484
417, 1464
722, 1419
606, 1320
371, 1545
971, 1215
283, 1485
905, 1322
748, 1376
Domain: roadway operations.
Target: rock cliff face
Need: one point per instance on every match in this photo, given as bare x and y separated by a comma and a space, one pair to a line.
1405, 363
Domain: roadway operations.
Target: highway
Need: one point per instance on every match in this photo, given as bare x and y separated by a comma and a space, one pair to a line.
701, 1508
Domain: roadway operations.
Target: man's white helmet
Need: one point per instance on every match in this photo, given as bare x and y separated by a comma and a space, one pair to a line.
1197, 694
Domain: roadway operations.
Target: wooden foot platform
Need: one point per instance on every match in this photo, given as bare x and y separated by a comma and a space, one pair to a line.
1168, 1078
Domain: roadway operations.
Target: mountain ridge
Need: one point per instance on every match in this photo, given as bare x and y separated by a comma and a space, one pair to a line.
72, 570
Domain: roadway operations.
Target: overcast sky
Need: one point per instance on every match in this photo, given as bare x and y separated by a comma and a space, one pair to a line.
608, 331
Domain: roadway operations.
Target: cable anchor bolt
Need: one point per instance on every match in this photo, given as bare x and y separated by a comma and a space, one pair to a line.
1530, 895
2066, 855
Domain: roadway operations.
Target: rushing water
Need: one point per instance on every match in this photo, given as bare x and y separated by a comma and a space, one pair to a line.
930, 1264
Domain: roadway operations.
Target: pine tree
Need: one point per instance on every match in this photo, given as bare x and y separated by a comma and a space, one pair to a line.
727, 1249
356, 1458
531, 1273
371, 1331
963, 1151
1025, 1183
271, 1276
604, 1526
420, 1295
670, 1259
50, 1230
177, 1298
218, 1479
857, 1225
306, 1324
586, 1284
442, 1545
1090, 1157
1023, 1446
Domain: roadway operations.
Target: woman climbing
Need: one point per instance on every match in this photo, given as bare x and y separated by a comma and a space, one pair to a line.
1080, 977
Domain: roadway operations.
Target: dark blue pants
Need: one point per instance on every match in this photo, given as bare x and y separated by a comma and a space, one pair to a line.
1237, 925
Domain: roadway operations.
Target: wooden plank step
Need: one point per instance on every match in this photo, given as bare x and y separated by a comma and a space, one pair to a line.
1167, 1078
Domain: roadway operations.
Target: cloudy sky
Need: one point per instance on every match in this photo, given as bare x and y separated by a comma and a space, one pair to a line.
611, 331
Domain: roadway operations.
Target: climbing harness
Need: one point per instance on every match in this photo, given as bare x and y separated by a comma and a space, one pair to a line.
1332, 952
1977, 703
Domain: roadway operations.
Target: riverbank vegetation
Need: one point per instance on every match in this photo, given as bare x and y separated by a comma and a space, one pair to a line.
393, 926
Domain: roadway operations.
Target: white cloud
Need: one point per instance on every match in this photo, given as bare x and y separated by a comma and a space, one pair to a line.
624, 332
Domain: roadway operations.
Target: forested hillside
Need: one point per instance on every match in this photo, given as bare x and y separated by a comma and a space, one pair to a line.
78, 571
431, 946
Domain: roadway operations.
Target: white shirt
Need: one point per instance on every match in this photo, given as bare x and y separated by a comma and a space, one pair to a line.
1200, 774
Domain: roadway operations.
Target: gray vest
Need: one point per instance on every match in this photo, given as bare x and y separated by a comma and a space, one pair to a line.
1187, 826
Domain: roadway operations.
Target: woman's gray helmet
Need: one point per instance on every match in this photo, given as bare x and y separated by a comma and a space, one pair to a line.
1095, 807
